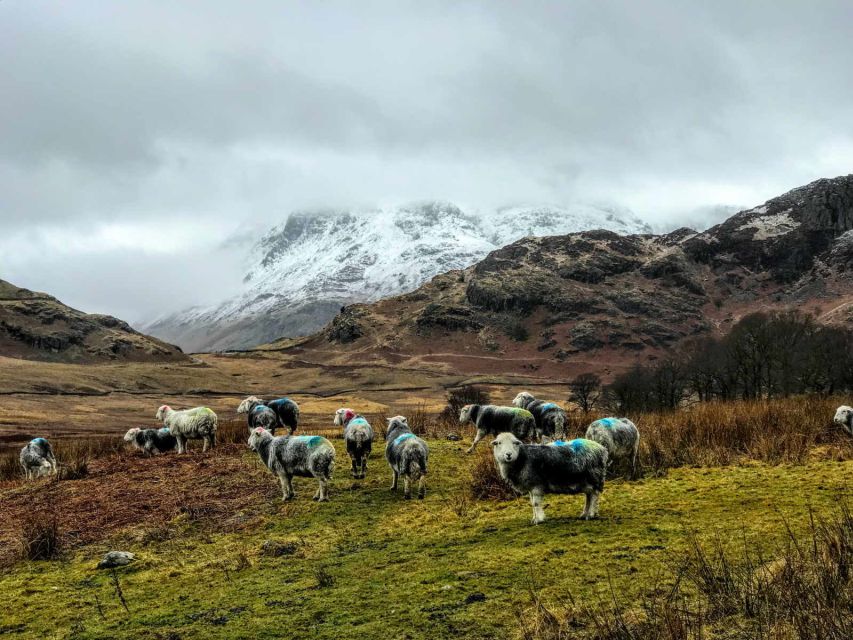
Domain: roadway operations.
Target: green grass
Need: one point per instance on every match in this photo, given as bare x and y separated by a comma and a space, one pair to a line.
405, 569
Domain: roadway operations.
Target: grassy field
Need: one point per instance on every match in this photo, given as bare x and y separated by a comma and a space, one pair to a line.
220, 556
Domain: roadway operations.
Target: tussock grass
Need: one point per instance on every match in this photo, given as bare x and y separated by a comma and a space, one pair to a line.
39, 536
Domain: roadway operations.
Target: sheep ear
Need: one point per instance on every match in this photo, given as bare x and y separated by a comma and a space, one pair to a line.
493, 443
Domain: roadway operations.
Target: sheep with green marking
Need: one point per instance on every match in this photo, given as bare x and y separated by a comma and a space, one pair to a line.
549, 416
191, 424
492, 420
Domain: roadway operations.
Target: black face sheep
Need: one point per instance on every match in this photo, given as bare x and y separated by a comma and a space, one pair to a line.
492, 420
37, 459
358, 436
287, 412
259, 414
620, 437
303, 456
197, 423
151, 441
407, 455
549, 416
844, 417
579, 466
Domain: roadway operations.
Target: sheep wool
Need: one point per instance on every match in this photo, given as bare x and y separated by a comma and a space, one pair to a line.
289, 456
492, 420
407, 455
620, 437
550, 417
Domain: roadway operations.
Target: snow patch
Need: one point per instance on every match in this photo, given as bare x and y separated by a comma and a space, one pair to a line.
771, 226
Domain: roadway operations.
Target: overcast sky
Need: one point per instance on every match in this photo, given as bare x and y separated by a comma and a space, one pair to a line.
137, 137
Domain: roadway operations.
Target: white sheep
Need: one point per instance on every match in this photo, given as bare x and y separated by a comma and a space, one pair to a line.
844, 418
621, 439
190, 424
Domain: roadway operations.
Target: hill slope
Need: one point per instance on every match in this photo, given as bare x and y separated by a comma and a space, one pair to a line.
37, 326
576, 300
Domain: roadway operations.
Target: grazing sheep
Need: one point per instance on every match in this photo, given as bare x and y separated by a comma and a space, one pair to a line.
620, 437
260, 415
492, 420
287, 412
303, 456
358, 435
550, 417
37, 459
408, 455
151, 441
579, 466
844, 417
197, 423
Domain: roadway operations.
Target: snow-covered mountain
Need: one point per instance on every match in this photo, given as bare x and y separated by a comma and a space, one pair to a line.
300, 273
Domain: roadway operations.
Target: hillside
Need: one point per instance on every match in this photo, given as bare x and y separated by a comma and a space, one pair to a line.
300, 273
36, 326
571, 302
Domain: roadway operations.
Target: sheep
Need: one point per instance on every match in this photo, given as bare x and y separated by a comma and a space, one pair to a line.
550, 417
407, 455
37, 459
287, 412
151, 441
579, 466
844, 417
492, 420
620, 437
197, 423
260, 415
288, 456
358, 435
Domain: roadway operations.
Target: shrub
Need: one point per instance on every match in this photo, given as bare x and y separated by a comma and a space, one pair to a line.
39, 536
486, 483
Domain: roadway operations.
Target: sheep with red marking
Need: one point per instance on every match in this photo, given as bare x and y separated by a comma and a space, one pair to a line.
358, 436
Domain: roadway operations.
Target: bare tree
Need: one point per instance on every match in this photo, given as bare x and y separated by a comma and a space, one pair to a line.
586, 390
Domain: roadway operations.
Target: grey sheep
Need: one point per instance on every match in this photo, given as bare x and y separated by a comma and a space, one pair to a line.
37, 459
303, 456
151, 441
259, 414
407, 455
358, 436
620, 437
492, 420
579, 466
287, 412
549, 416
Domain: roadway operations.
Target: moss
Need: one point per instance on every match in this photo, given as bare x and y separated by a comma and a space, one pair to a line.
370, 564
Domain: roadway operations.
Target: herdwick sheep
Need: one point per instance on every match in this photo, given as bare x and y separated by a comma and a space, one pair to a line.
303, 456
260, 415
358, 436
197, 423
579, 466
620, 437
407, 455
844, 417
287, 412
492, 420
550, 417
37, 459
151, 441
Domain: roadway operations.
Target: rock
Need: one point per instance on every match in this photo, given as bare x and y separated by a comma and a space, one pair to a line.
113, 559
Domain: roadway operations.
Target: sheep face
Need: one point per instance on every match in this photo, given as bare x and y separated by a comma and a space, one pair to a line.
343, 416
844, 417
506, 448
522, 399
256, 437
131, 434
248, 404
395, 423
161, 412
465, 414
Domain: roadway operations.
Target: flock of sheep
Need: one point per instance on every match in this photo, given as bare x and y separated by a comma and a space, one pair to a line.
549, 464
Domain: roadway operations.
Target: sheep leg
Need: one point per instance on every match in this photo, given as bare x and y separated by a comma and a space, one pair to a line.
407, 488
590, 505
284, 492
421, 487
593, 509
480, 435
536, 503
394, 480
289, 493
354, 466
323, 491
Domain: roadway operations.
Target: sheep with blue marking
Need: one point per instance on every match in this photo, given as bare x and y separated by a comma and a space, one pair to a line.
358, 436
37, 459
407, 456
287, 412
302, 456
492, 420
549, 416
579, 466
151, 441
259, 414
844, 418
190, 424
621, 439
